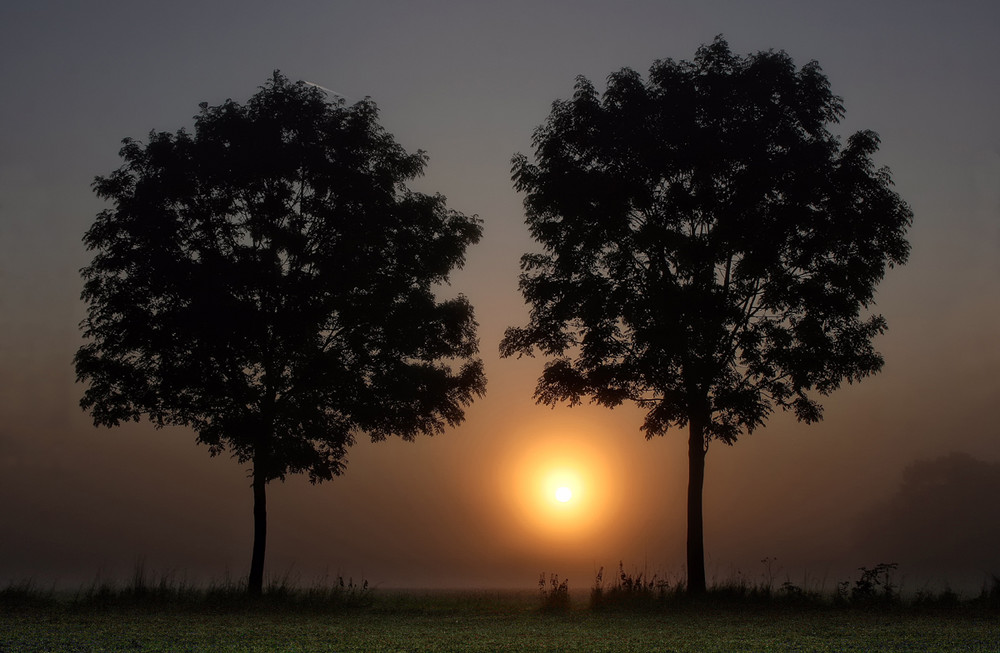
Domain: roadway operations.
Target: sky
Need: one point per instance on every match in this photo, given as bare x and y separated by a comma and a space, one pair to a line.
468, 82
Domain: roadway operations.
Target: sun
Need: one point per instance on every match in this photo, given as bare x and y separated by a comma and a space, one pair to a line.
564, 490
561, 485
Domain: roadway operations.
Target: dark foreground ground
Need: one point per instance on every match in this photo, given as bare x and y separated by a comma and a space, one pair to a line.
485, 621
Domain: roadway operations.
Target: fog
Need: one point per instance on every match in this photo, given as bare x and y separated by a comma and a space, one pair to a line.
943, 520
903, 468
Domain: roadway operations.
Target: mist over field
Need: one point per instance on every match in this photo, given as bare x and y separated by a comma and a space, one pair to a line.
904, 467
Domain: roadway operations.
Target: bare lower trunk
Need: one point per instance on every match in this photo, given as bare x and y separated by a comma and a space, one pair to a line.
255, 582
695, 526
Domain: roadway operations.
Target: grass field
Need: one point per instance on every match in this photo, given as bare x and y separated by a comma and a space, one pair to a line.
483, 621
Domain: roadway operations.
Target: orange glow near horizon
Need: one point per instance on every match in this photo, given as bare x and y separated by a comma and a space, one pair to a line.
562, 486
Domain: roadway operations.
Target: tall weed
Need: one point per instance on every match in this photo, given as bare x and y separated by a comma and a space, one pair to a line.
629, 590
554, 594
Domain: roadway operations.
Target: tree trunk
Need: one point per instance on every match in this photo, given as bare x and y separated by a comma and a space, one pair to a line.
695, 526
255, 582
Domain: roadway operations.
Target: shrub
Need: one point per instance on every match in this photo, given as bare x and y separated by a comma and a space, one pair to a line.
555, 595
946, 598
628, 591
873, 587
989, 596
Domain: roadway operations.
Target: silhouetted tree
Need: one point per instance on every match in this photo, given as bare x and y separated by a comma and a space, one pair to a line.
710, 249
269, 283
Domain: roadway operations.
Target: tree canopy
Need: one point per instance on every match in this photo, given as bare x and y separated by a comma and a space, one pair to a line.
269, 281
710, 248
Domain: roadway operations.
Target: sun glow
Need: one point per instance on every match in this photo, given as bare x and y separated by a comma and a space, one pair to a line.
563, 485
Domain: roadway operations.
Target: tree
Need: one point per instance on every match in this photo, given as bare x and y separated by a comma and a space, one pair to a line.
710, 249
269, 282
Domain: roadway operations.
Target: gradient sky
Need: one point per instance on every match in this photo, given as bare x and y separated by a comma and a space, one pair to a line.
468, 82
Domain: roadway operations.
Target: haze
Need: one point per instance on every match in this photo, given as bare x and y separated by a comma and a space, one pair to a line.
468, 82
